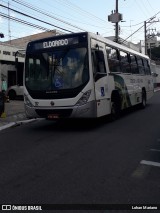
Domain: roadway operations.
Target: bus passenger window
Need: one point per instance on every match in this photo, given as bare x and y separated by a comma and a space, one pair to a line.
98, 62
140, 65
134, 66
125, 65
146, 67
113, 59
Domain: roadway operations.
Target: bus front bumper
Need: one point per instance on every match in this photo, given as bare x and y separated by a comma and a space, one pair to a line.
87, 110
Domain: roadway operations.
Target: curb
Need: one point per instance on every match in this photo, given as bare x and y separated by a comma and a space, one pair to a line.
7, 126
16, 123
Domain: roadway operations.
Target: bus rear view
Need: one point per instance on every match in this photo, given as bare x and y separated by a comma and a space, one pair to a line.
57, 78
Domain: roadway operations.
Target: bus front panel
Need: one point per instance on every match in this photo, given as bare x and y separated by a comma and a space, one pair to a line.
57, 78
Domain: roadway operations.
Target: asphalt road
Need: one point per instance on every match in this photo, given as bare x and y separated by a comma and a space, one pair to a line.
83, 161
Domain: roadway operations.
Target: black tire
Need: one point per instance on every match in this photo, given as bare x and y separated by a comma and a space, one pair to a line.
144, 100
115, 111
12, 95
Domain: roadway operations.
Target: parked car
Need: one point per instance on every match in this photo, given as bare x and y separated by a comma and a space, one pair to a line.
14, 91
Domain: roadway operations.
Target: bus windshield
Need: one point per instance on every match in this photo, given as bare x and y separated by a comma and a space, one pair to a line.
57, 69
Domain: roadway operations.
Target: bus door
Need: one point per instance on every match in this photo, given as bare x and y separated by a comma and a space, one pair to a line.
100, 81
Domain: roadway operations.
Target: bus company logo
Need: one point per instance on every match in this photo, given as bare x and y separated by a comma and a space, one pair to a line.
6, 208
52, 103
55, 43
36, 103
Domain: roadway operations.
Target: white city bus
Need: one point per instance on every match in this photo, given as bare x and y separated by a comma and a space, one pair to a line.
83, 75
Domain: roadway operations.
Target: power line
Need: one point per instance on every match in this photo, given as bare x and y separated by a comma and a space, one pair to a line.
141, 8
141, 26
45, 13
56, 15
80, 10
23, 22
134, 24
24, 14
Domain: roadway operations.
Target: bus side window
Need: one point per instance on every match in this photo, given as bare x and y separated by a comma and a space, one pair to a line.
140, 65
98, 62
113, 59
101, 68
124, 60
134, 66
146, 67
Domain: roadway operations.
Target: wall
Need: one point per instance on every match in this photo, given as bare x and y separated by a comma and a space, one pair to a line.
7, 53
8, 70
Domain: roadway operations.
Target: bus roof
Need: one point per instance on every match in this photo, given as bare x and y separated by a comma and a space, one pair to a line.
117, 45
96, 37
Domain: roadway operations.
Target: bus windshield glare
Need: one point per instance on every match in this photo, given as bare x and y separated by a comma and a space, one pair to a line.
62, 69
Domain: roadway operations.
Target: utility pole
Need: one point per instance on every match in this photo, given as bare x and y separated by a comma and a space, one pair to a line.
9, 29
116, 25
146, 37
115, 17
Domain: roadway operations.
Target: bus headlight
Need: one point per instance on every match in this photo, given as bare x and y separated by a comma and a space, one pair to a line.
27, 101
84, 98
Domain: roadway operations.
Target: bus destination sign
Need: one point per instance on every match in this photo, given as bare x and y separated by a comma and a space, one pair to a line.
56, 43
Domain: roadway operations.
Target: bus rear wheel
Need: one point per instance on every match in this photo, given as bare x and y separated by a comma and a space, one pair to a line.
144, 100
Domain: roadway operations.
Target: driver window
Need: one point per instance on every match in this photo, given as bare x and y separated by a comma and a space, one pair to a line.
98, 62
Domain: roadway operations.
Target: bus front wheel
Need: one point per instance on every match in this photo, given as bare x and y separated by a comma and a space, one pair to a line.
115, 111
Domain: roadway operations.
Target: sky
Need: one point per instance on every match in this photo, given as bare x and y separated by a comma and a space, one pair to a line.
78, 16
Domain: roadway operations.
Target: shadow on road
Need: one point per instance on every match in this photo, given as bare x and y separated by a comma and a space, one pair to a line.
82, 125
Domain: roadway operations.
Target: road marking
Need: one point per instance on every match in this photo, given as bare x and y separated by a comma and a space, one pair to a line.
141, 171
150, 163
155, 150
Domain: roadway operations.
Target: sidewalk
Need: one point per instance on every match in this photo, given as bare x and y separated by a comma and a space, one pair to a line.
15, 114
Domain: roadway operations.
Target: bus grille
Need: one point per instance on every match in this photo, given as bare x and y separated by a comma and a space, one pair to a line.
62, 113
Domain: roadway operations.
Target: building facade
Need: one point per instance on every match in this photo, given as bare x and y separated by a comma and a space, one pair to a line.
153, 42
12, 59
9, 71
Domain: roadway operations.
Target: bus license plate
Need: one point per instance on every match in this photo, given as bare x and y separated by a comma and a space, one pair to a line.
53, 116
